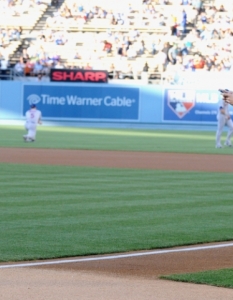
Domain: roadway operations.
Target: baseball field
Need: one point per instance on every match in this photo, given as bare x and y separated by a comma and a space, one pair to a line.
119, 211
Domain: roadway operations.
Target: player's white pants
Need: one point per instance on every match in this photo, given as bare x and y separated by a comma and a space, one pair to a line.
31, 129
222, 121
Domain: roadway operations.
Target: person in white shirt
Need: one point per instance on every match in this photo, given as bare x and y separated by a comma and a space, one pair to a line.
224, 118
4, 64
33, 118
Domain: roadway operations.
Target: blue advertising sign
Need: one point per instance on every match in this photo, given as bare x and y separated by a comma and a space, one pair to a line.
80, 102
190, 105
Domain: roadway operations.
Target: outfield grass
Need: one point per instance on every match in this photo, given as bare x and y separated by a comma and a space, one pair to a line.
220, 278
54, 211
114, 139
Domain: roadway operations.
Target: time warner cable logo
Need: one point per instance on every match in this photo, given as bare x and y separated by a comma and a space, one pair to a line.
73, 100
33, 99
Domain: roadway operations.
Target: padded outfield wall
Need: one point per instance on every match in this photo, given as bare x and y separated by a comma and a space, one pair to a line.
114, 103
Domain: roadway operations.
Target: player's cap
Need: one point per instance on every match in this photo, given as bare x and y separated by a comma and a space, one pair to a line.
33, 106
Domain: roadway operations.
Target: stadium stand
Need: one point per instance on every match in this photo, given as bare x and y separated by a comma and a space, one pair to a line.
131, 39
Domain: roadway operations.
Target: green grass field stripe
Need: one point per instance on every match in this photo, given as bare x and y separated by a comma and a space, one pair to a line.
120, 132
220, 278
115, 140
53, 211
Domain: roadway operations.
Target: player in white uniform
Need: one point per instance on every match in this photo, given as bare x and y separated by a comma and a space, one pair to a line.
33, 117
224, 118
227, 96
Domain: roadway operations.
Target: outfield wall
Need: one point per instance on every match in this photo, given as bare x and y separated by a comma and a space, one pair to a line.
115, 103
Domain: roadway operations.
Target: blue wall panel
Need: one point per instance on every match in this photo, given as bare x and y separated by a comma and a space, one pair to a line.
110, 103
151, 103
83, 102
10, 100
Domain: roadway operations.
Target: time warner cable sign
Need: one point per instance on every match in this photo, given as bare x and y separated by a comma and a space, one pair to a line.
190, 105
68, 102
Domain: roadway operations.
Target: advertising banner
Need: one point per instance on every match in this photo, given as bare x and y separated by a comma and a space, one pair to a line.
79, 75
190, 105
79, 102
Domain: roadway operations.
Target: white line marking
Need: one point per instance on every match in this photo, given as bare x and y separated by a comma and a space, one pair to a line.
68, 261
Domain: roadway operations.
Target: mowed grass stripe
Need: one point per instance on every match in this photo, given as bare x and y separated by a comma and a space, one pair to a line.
53, 211
220, 278
114, 139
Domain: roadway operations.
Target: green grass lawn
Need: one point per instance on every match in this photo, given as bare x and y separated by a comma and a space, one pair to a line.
220, 278
53, 211
114, 139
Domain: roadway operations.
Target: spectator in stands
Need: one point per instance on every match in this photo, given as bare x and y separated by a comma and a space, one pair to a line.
25, 56
184, 50
53, 58
141, 47
28, 69
208, 63
203, 18
182, 23
144, 73
112, 20
153, 47
131, 53
198, 62
102, 13
127, 43
172, 54
206, 34
59, 65
37, 68
107, 47
188, 64
46, 65
126, 72
19, 68
227, 63
165, 48
173, 25
4, 64
14, 34
145, 68
161, 60
88, 67
222, 8
120, 18
61, 38
77, 55
121, 51
112, 73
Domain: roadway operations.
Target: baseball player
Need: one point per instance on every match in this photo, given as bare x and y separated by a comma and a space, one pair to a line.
227, 96
33, 117
224, 118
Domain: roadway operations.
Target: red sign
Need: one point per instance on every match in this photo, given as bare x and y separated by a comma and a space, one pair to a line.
78, 75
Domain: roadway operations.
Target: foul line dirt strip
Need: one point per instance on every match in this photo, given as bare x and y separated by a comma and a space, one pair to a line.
113, 257
119, 159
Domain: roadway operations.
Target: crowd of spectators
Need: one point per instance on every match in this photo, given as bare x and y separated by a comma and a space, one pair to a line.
17, 7
192, 36
9, 34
